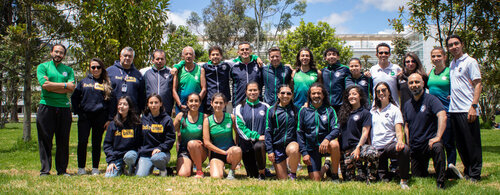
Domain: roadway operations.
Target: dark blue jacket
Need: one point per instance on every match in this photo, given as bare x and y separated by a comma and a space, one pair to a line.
160, 82
364, 82
158, 132
316, 125
242, 74
217, 78
120, 140
135, 85
89, 96
333, 78
250, 122
281, 127
273, 78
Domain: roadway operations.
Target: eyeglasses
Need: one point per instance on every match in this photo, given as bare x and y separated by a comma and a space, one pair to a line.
381, 90
286, 93
410, 61
383, 52
95, 67
456, 43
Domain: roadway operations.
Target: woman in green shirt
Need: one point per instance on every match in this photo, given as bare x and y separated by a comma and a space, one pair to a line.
304, 76
218, 138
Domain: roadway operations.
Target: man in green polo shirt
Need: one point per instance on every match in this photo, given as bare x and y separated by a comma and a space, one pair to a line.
54, 114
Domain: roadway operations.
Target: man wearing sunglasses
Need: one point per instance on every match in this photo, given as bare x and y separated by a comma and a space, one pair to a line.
54, 115
465, 89
386, 71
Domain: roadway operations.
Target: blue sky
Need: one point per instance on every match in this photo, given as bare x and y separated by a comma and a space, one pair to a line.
347, 16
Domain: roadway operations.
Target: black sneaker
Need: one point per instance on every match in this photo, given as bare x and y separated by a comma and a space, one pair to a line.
335, 178
269, 174
440, 185
328, 166
262, 177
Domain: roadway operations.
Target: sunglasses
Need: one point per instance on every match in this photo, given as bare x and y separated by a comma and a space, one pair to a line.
95, 67
410, 61
286, 93
381, 90
383, 52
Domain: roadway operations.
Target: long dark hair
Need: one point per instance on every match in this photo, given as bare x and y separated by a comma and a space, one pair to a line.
378, 103
311, 62
418, 69
105, 79
131, 119
326, 102
185, 111
346, 108
147, 110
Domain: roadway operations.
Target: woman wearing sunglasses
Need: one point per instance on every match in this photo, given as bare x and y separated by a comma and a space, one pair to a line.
91, 100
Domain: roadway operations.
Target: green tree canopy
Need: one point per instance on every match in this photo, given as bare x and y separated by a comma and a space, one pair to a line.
177, 40
317, 38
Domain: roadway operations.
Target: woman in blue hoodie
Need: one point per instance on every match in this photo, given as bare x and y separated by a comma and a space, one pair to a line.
91, 100
158, 138
281, 134
250, 122
123, 139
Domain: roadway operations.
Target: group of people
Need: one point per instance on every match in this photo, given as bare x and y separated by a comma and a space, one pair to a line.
358, 120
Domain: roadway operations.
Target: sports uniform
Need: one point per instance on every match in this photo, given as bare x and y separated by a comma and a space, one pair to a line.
301, 83
334, 81
160, 82
221, 135
273, 78
281, 129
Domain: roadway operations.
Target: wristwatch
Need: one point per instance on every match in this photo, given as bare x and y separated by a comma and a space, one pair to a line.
474, 106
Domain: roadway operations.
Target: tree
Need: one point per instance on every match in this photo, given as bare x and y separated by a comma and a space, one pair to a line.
317, 38
365, 62
477, 23
265, 9
177, 40
400, 49
104, 27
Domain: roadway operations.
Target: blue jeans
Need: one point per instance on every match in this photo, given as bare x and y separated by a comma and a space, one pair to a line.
129, 159
145, 165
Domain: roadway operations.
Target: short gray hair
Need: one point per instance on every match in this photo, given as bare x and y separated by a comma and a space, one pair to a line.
129, 49
188, 47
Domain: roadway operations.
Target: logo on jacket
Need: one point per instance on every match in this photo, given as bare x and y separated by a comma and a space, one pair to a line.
355, 117
99, 87
387, 115
262, 113
228, 125
323, 118
199, 126
444, 78
128, 133
256, 68
196, 77
65, 74
157, 128
422, 109
223, 67
337, 74
362, 83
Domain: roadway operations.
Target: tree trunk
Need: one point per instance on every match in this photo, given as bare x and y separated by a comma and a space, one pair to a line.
2, 123
27, 79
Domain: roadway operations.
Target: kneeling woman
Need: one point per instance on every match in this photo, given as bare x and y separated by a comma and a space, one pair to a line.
190, 149
158, 138
355, 123
123, 139
281, 134
218, 138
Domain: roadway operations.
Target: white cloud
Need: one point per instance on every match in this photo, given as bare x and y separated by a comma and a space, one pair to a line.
319, 1
179, 18
384, 5
337, 20
387, 31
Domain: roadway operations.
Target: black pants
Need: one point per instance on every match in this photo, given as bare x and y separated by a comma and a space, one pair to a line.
86, 121
403, 160
420, 161
255, 159
468, 141
449, 143
49, 121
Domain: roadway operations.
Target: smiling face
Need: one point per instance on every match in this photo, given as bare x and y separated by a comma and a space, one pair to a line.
123, 107
354, 98
215, 57
382, 93
285, 95
126, 58
355, 67
188, 55
159, 60
383, 54
331, 57
317, 95
57, 54
416, 84
95, 69
438, 57
304, 57
154, 105
244, 51
193, 102
455, 47
275, 58
253, 92
218, 104
411, 64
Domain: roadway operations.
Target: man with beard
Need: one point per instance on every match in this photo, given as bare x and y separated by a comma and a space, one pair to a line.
54, 114
425, 124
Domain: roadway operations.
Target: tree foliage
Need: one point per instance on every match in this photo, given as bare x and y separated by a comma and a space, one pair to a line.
317, 38
104, 27
177, 40
477, 22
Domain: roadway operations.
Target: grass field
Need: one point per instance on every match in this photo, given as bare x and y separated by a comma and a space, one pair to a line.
20, 165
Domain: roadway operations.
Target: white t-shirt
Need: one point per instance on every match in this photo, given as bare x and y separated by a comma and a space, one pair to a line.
384, 125
388, 75
462, 72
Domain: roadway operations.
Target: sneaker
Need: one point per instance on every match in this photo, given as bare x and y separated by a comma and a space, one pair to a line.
199, 174
404, 185
327, 166
262, 177
292, 176
335, 178
440, 185
81, 171
455, 171
95, 171
269, 174
230, 175
163, 173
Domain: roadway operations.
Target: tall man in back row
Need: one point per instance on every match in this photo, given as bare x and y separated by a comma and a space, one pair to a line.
465, 89
54, 114
245, 70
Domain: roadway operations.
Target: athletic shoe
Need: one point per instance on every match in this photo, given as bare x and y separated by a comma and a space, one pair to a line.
404, 185
81, 171
230, 175
292, 176
163, 173
262, 177
440, 185
327, 166
455, 171
199, 174
335, 178
269, 174
95, 171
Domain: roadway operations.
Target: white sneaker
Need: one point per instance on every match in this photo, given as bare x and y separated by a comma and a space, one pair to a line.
455, 170
404, 185
81, 171
95, 171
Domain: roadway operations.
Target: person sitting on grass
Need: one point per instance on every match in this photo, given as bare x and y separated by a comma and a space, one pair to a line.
189, 128
317, 133
159, 137
218, 138
281, 134
123, 139
355, 122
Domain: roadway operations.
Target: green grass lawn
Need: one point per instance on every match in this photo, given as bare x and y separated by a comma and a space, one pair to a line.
20, 165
